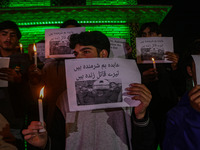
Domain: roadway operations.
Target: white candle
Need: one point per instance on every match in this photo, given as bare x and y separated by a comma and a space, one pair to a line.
35, 54
154, 63
40, 106
21, 46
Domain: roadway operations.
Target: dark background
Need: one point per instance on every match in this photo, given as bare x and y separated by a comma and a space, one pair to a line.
182, 22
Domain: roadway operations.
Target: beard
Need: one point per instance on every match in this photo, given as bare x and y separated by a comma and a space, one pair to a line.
8, 46
8, 49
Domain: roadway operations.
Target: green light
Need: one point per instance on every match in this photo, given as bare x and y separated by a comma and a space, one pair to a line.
116, 2
59, 22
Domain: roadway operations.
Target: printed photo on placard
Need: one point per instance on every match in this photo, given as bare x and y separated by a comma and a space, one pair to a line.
57, 42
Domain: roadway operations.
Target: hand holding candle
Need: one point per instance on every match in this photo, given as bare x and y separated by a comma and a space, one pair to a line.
35, 54
154, 66
154, 63
40, 106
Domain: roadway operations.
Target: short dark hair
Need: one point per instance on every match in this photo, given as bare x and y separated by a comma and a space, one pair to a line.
70, 22
153, 26
93, 38
10, 25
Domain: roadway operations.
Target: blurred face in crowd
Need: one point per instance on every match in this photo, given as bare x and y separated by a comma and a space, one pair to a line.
8, 39
148, 33
88, 52
70, 26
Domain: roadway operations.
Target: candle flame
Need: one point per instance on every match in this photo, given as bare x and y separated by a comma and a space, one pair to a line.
42, 92
153, 59
34, 47
20, 45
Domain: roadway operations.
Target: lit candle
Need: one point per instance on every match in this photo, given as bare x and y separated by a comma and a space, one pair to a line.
35, 53
154, 63
40, 106
20, 46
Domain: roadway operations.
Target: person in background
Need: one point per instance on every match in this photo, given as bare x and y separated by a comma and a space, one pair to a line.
162, 81
16, 99
182, 125
70, 23
52, 75
113, 129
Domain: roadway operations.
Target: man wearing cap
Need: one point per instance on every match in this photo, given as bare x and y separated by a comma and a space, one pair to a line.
14, 99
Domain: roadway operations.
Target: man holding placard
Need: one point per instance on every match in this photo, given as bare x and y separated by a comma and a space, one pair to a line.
114, 128
158, 65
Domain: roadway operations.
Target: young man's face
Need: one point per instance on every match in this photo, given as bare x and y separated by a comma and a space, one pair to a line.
8, 39
85, 51
147, 33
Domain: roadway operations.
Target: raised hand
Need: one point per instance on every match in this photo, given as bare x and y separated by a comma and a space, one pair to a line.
141, 93
194, 96
149, 75
174, 58
10, 75
33, 136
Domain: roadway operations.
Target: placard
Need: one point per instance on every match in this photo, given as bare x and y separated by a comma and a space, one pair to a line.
197, 66
153, 47
97, 83
41, 51
4, 63
57, 42
117, 48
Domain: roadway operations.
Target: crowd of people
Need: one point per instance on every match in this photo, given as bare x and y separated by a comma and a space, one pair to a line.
168, 114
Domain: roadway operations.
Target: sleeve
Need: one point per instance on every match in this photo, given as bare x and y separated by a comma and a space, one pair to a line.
143, 137
57, 132
182, 129
56, 135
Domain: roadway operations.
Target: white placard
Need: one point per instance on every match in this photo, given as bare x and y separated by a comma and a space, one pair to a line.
148, 47
4, 63
117, 48
197, 66
57, 42
98, 83
41, 51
